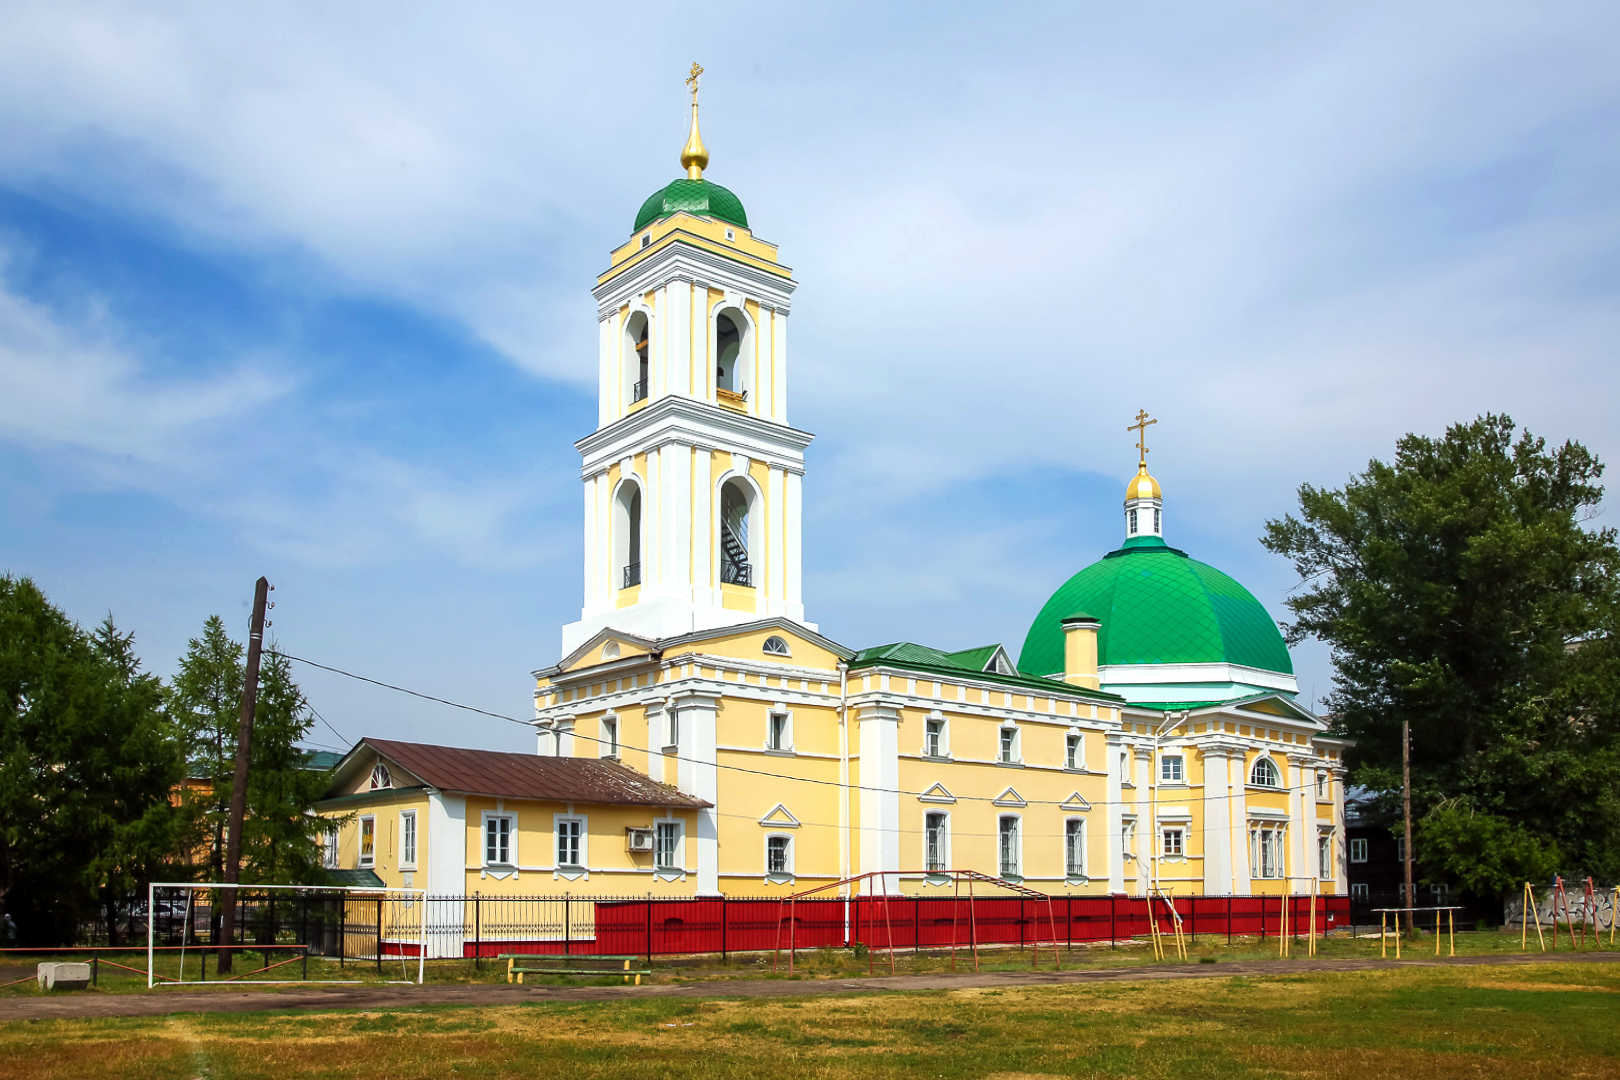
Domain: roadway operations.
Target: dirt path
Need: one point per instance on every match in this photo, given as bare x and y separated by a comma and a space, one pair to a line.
161, 1002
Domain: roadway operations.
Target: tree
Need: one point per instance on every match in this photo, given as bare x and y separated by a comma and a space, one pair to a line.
88, 759
280, 842
1461, 588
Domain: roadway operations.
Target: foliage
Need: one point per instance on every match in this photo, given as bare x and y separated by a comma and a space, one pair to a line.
1461, 590
280, 843
1482, 854
88, 758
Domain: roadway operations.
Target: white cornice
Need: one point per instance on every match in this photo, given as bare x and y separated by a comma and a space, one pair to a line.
682, 260
674, 419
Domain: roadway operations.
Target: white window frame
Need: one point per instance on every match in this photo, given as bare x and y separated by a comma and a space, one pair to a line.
1324, 856
785, 874
1130, 516
1359, 890
1275, 769
381, 778
1179, 832
672, 729
785, 650
362, 859
1125, 769
1180, 763
944, 840
677, 859
1074, 848
1074, 751
582, 852
1017, 846
331, 845
783, 744
1324, 787
1009, 752
1268, 848
1358, 849
941, 747
511, 838
408, 839
608, 743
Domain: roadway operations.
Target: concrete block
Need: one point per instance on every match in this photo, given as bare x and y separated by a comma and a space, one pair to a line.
55, 976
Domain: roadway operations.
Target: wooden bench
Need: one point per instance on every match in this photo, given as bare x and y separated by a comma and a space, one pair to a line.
571, 965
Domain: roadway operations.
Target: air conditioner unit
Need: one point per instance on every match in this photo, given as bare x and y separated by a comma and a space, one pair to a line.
639, 839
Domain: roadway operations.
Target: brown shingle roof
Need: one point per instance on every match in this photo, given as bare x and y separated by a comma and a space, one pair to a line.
529, 776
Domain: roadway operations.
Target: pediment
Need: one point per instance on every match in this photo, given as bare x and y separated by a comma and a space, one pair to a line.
778, 817
1010, 797
605, 647
937, 793
1074, 802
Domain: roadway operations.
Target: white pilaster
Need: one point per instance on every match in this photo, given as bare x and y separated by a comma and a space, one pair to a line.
880, 783
1217, 839
775, 542
1116, 816
1301, 830
793, 595
699, 750
779, 380
679, 302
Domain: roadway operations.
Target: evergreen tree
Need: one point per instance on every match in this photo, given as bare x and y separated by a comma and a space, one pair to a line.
1462, 589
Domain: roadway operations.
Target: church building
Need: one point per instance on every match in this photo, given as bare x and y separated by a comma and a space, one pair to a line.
1146, 736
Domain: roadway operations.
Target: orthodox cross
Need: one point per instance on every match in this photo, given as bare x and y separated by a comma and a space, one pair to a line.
692, 79
1140, 427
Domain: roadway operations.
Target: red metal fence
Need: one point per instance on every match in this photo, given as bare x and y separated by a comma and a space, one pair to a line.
489, 926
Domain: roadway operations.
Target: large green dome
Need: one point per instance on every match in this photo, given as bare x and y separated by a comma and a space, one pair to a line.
1157, 606
702, 197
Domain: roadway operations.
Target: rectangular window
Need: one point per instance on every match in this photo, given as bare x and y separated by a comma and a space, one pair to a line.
329, 845
1266, 853
368, 841
665, 841
1009, 745
1074, 848
1358, 849
776, 856
1170, 769
1172, 842
568, 830
673, 734
934, 738
1324, 858
610, 737
934, 843
776, 731
407, 840
1132, 521
1322, 786
498, 841
1359, 891
1009, 847
1125, 770
1072, 756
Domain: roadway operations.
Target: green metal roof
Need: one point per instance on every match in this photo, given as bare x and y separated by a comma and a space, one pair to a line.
921, 658
1157, 606
354, 879
321, 760
701, 197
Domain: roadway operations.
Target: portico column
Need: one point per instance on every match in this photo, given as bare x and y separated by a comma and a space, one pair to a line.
695, 711
879, 725
1116, 815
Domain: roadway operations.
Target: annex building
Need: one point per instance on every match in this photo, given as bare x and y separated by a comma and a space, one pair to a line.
700, 737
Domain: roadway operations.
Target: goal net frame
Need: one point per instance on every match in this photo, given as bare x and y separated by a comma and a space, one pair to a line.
342, 892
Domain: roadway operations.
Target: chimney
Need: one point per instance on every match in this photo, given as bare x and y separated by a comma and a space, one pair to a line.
1080, 651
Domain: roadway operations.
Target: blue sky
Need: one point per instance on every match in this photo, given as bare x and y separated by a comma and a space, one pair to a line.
305, 292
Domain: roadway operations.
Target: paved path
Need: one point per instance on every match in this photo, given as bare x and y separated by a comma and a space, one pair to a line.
164, 1001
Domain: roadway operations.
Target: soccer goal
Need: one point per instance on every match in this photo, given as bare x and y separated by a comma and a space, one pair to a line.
347, 934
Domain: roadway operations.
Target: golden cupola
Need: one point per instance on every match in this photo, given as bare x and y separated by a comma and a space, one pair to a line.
1144, 498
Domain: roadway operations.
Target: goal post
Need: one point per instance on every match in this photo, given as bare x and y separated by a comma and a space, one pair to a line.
287, 924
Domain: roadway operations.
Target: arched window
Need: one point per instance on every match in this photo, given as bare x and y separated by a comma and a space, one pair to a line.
1131, 518
627, 533
736, 500
380, 778
637, 379
1265, 774
775, 646
733, 345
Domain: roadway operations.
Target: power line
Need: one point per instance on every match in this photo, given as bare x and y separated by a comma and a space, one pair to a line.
734, 768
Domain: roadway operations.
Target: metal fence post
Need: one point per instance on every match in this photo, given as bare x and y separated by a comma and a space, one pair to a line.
379, 934
1229, 922
916, 926
649, 929
1113, 933
723, 938
567, 932
478, 931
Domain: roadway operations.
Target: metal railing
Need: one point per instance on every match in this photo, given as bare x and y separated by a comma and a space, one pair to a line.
736, 573
638, 392
632, 574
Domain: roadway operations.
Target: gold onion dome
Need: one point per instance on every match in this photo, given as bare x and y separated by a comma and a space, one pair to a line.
694, 156
1143, 485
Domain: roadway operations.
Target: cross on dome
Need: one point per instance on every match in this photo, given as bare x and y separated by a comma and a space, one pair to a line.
1144, 498
694, 156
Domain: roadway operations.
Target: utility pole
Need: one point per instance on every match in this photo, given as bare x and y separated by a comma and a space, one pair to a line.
1406, 801
244, 746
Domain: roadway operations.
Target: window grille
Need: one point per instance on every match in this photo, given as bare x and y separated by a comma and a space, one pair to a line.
1074, 848
1009, 847
934, 837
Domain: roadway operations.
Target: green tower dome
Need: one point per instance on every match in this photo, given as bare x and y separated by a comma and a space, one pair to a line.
1157, 606
702, 197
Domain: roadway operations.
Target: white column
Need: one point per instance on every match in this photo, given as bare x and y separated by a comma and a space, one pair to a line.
677, 462
1242, 871
779, 381
680, 337
671, 499
658, 345
776, 541
1116, 816
1301, 829
705, 587
700, 777
1147, 822
792, 592
607, 371
880, 783
595, 598
1217, 838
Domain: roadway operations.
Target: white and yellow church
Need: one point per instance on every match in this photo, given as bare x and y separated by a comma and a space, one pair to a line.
700, 737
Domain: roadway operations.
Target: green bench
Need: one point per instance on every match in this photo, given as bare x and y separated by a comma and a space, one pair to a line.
570, 965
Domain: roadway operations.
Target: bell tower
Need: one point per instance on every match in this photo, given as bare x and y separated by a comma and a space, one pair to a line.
692, 477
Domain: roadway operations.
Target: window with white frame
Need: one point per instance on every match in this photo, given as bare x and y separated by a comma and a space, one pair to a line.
1009, 746
1127, 839
1171, 845
609, 745
1009, 846
498, 829
570, 843
934, 737
407, 840
1265, 774
1131, 515
1170, 769
778, 735
1359, 891
1324, 857
775, 646
368, 841
380, 777
666, 845
1322, 786
1125, 769
1358, 849
779, 856
1266, 851
1073, 752
1074, 848
935, 857
672, 732
329, 850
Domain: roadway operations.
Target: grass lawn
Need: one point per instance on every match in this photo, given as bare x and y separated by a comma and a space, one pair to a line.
1411, 1023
